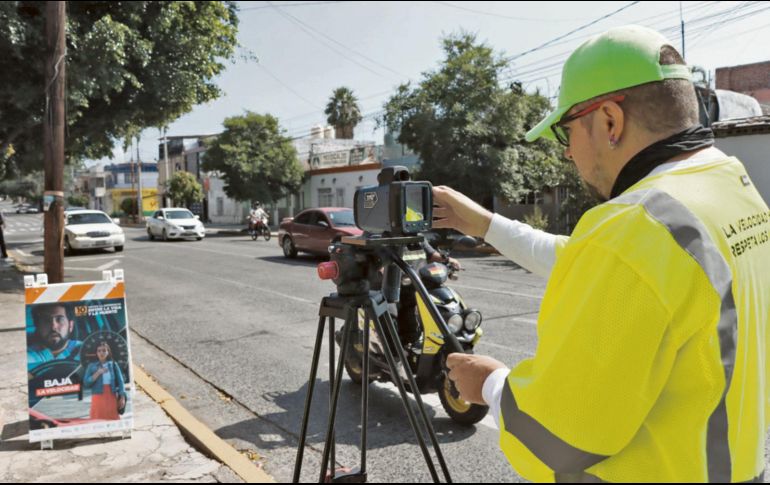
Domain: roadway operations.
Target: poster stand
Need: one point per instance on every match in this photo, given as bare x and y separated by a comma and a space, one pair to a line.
112, 290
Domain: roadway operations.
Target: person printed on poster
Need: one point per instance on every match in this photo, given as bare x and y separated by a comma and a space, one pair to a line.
104, 378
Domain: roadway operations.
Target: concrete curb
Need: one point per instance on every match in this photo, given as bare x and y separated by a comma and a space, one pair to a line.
201, 436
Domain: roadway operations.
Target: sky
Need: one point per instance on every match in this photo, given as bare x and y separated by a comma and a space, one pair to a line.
292, 55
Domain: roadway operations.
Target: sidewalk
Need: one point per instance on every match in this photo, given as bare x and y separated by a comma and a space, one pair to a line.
156, 451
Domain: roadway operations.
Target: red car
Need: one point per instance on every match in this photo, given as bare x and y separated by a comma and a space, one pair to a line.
312, 230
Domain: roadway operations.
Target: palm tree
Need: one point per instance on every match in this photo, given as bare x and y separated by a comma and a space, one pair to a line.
343, 112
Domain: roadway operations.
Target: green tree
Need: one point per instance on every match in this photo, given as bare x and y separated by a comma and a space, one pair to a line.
129, 206
129, 66
468, 130
78, 200
28, 187
343, 112
255, 160
184, 189
577, 202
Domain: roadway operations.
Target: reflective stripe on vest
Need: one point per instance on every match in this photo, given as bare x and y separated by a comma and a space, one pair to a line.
690, 233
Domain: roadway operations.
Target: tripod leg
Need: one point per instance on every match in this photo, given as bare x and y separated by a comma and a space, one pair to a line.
333, 452
309, 398
404, 398
335, 394
365, 394
420, 405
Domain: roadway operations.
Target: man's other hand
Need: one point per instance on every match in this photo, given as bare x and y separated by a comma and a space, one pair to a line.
468, 372
454, 210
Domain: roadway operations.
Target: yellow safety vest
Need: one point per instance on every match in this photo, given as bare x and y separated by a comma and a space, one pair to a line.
651, 362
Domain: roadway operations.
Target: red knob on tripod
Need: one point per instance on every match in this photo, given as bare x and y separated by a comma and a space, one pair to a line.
328, 271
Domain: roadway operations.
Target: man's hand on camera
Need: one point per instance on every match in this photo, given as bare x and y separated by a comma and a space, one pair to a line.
468, 372
454, 210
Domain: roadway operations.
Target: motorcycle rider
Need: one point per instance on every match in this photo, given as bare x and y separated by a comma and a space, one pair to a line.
257, 214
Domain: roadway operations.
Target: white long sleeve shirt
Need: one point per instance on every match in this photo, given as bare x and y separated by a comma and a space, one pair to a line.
536, 251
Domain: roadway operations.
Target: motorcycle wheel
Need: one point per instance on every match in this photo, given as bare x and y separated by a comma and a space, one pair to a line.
253, 234
266, 233
353, 367
461, 412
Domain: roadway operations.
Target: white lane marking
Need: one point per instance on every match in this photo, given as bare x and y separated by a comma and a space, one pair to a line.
225, 280
497, 346
95, 258
108, 265
21, 251
500, 292
530, 321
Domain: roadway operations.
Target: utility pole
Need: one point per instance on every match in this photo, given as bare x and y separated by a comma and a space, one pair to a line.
165, 161
53, 141
140, 207
133, 176
681, 19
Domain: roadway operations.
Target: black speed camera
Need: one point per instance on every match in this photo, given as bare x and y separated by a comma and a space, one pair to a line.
395, 207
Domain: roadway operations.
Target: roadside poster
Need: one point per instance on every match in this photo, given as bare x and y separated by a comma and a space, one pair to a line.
78, 358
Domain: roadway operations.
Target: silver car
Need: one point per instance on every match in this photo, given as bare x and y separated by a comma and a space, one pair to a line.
175, 223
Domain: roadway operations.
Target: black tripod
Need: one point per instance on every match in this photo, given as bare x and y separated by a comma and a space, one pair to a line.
375, 307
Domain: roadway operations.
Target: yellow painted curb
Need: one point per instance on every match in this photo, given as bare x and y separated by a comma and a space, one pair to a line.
200, 434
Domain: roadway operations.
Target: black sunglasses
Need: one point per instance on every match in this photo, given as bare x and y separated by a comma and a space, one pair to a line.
560, 129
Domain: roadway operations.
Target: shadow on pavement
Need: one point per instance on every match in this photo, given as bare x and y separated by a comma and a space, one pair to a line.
388, 423
301, 260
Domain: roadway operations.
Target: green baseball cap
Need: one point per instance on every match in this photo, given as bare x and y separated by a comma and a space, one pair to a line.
617, 59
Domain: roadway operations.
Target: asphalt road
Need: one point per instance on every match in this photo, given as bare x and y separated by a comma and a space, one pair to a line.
243, 317
235, 315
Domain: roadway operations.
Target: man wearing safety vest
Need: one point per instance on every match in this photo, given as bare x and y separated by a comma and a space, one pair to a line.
651, 362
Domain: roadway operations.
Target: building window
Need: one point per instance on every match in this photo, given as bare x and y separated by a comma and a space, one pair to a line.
340, 197
532, 198
220, 206
562, 193
325, 197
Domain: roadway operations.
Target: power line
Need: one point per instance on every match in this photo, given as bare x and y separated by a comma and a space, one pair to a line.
315, 113
315, 34
551, 69
286, 86
702, 24
582, 27
347, 47
490, 14
644, 21
717, 25
557, 65
303, 4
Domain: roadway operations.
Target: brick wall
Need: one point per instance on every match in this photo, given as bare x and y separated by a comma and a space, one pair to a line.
751, 79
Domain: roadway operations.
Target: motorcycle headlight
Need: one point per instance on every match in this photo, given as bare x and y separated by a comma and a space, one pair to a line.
472, 320
455, 322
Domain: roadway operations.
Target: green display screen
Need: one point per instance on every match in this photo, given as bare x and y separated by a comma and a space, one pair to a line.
415, 210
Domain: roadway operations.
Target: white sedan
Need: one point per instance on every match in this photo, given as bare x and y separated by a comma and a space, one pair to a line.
87, 229
175, 223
